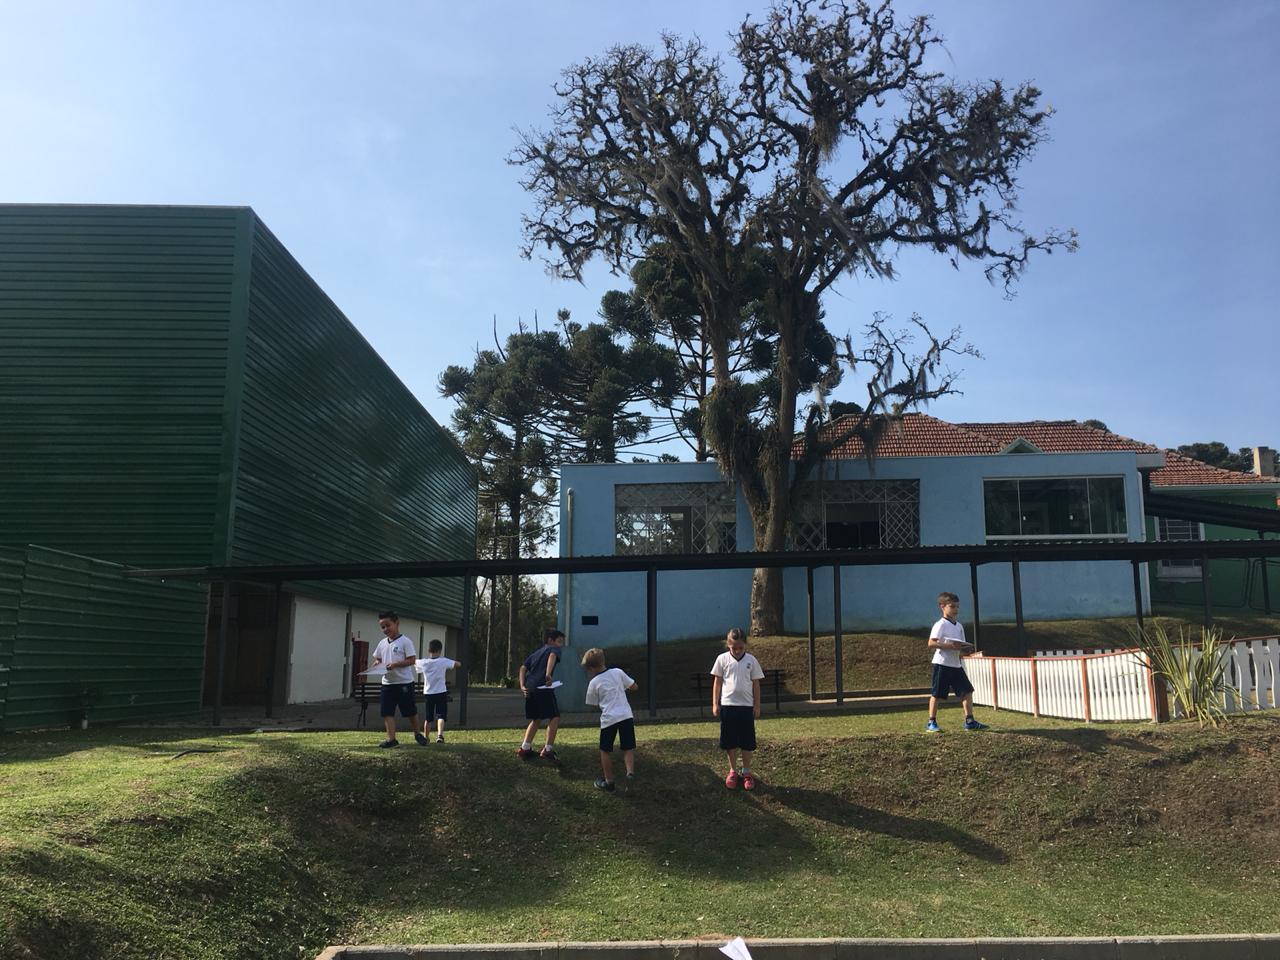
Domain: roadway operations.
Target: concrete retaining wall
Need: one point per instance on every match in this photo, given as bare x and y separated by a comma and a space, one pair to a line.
1228, 947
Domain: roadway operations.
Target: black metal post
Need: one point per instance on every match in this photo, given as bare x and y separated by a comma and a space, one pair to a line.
1204, 589
1137, 595
464, 646
977, 609
222, 651
1266, 587
651, 630
813, 644
1017, 605
839, 632
275, 646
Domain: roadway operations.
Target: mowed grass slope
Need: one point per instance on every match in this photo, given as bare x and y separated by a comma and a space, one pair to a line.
273, 845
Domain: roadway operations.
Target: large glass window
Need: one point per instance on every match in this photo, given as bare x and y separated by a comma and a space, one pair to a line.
653, 518
1049, 507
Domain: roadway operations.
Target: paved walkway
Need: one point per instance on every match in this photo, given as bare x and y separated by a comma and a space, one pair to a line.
487, 709
1225, 947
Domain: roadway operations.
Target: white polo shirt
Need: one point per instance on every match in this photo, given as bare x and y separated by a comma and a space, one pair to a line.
736, 676
391, 651
608, 691
433, 670
946, 629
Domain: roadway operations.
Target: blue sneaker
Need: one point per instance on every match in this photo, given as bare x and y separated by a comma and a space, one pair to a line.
972, 724
932, 727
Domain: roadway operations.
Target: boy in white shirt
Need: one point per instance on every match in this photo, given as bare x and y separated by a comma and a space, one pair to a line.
396, 655
607, 690
435, 688
947, 642
735, 699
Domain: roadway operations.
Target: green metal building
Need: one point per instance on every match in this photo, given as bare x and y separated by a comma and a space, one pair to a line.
175, 390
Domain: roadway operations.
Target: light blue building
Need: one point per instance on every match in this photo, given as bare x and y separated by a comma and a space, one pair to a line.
932, 484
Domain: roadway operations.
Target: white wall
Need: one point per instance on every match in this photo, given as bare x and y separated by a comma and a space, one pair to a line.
318, 647
317, 650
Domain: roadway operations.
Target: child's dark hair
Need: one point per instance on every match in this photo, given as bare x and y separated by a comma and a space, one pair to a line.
736, 634
389, 615
551, 633
947, 596
435, 646
593, 659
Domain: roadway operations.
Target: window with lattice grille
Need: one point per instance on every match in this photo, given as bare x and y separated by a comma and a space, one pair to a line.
854, 514
652, 518
1182, 568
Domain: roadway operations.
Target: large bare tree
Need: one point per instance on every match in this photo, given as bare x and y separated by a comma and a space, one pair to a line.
829, 144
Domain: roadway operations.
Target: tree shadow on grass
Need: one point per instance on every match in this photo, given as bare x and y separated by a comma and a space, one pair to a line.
846, 814
1088, 739
41, 746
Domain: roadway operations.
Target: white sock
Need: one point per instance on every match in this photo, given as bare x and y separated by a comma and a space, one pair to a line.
526, 745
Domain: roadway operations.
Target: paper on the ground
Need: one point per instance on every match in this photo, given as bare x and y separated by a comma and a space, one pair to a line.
736, 949
550, 686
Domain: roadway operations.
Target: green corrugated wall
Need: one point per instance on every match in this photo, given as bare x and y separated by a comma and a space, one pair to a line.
175, 390
86, 638
114, 329
11, 565
337, 461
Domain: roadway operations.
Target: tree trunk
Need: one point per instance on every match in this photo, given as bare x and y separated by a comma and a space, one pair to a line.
771, 523
491, 584
513, 614
513, 600
767, 605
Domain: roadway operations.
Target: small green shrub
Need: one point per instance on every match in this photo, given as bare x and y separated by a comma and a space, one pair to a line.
1195, 671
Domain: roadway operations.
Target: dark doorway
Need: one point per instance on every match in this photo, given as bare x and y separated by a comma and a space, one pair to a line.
253, 647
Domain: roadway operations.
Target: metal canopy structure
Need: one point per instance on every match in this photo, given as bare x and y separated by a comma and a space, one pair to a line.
1212, 511
975, 555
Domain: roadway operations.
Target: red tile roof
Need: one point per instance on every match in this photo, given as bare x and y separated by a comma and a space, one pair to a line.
920, 435
1180, 471
915, 435
1058, 436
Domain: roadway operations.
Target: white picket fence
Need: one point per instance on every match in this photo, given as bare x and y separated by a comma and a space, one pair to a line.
1113, 685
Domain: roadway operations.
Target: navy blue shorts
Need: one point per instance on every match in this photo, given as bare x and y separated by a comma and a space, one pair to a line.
624, 730
737, 728
541, 705
951, 679
398, 695
436, 706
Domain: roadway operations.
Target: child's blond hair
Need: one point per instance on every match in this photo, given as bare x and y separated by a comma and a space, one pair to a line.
593, 659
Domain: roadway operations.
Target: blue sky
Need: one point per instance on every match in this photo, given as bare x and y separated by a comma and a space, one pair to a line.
371, 138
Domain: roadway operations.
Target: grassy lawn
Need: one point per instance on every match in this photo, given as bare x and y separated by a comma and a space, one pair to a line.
273, 845
888, 660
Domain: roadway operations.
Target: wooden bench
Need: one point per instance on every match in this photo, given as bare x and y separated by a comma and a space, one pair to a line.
773, 680
365, 693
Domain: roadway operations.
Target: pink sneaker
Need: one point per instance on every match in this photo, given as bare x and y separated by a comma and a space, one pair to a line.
748, 782
731, 781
